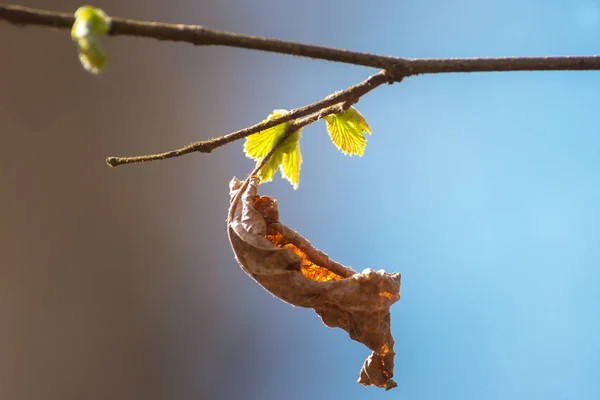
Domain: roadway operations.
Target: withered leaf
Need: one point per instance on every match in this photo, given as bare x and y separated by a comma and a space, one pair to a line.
289, 267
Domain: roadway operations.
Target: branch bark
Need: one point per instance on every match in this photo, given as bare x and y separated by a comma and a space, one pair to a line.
347, 97
202, 36
394, 69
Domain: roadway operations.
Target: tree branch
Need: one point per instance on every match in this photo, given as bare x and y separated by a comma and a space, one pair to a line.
201, 35
394, 69
348, 96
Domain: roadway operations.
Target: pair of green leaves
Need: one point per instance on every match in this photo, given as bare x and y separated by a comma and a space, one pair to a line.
346, 130
90, 24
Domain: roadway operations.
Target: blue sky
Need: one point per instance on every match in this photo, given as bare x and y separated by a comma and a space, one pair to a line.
481, 189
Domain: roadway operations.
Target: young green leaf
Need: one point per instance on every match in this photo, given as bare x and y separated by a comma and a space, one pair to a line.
90, 23
347, 131
287, 157
91, 55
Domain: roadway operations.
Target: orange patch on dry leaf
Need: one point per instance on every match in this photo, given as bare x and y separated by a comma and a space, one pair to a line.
391, 296
309, 269
291, 268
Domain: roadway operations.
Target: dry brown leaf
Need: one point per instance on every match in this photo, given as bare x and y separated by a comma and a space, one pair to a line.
289, 267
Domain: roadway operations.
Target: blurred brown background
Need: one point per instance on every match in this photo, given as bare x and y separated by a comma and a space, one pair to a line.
118, 283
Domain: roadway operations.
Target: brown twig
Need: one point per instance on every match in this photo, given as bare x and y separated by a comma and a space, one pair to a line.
203, 36
294, 127
347, 96
395, 68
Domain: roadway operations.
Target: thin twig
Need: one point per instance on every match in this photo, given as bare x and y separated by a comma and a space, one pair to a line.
201, 35
295, 127
347, 96
394, 68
